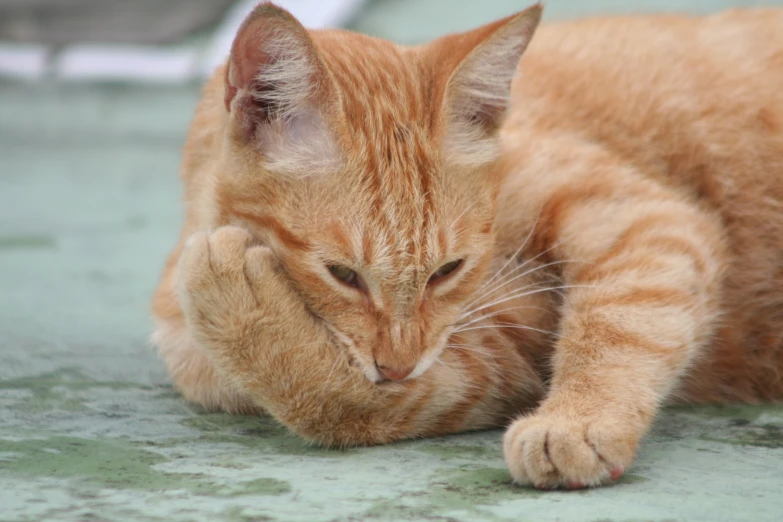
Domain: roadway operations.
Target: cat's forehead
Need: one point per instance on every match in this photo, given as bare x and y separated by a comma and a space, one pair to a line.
399, 190
383, 92
375, 73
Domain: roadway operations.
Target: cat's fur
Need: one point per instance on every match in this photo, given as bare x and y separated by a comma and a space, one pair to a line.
622, 231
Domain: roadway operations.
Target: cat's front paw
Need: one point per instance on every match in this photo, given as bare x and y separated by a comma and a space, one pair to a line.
220, 278
550, 451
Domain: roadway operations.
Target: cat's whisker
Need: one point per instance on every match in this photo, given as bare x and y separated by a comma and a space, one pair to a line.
527, 327
514, 256
514, 274
469, 347
534, 286
481, 294
532, 259
527, 293
476, 350
521, 266
480, 302
502, 284
512, 326
486, 287
493, 314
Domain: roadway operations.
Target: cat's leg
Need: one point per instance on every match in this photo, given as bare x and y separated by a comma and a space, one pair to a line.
194, 374
240, 306
187, 363
642, 303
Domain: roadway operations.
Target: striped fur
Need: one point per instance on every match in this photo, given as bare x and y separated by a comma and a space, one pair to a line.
621, 228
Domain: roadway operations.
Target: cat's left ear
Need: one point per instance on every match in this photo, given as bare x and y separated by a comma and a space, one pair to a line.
478, 90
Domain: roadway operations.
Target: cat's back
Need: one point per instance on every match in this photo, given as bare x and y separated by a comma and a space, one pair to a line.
693, 97
658, 58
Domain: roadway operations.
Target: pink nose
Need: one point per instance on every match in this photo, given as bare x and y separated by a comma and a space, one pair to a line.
394, 374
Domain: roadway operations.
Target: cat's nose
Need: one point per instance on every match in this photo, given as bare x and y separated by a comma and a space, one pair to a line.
395, 374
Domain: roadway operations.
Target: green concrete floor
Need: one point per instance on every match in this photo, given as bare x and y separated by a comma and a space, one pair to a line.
90, 430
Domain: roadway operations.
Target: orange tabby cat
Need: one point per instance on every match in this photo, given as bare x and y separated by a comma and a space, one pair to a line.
375, 248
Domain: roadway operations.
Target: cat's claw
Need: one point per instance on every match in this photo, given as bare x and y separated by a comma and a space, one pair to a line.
548, 452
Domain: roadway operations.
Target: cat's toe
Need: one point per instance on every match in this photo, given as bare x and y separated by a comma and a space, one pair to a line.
227, 246
213, 283
548, 452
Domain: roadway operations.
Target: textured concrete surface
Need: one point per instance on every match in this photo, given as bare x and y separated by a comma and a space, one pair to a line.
90, 430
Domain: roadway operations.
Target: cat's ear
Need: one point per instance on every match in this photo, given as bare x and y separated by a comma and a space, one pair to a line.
276, 91
478, 91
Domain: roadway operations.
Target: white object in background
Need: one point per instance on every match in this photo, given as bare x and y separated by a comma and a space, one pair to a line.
314, 14
23, 61
148, 64
320, 14
138, 64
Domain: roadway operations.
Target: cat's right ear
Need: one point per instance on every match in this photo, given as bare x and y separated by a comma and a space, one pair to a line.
481, 65
276, 91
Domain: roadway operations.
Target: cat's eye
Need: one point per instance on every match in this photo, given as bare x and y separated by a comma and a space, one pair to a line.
345, 275
444, 270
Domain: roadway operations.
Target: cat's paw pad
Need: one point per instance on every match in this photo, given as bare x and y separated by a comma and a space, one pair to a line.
548, 451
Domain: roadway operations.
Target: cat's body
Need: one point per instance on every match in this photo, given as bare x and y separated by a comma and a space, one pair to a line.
695, 104
635, 215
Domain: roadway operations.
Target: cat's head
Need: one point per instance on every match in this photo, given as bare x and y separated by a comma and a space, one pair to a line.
372, 170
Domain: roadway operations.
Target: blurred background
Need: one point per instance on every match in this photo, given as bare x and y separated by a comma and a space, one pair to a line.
95, 99
177, 41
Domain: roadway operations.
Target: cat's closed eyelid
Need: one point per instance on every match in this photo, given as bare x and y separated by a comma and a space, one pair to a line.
348, 277
445, 272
